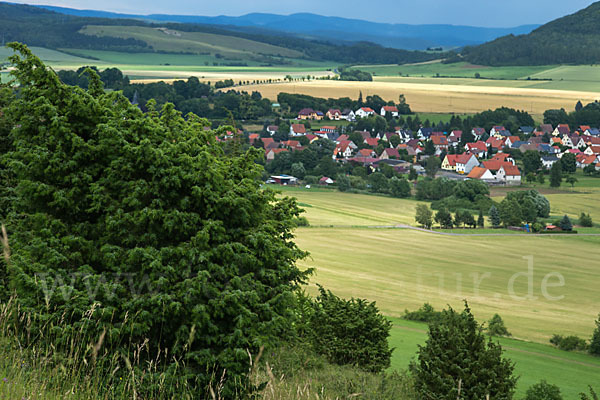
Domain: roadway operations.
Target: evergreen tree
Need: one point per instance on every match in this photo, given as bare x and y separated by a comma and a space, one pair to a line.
585, 220
565, 224
496, 326
594, 348
495, 217
456, 351
149, 199
412, 174
543, 391
541, 179
556, 174
481, 220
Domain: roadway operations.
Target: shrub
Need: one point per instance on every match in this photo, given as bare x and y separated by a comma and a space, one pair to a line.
543, 391
456, 351
585, 220
424, 314
301, 221
496, 327
350, 332
569, 343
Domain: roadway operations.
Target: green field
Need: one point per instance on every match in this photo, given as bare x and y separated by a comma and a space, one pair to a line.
463, 70
356, 253
572, 372
562, 77
192, 42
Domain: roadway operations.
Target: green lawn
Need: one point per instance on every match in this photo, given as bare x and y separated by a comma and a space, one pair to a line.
572, 372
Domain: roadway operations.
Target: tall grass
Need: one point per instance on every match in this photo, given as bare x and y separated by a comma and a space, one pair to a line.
41, 364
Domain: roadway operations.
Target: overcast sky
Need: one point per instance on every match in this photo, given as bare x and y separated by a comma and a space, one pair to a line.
500, 13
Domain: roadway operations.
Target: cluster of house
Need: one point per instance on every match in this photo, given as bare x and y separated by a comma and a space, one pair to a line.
474, 163
347, 114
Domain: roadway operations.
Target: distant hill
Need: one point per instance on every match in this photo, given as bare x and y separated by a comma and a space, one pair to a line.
313, 26
574, 39
61, 31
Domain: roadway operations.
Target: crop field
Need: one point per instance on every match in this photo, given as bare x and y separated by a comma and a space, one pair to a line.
584, 78
439, 98
572, 372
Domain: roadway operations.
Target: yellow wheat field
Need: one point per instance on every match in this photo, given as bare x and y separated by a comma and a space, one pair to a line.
424, 97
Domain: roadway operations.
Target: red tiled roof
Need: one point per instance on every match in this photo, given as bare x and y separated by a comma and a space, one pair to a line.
477, 172
372, 141
511, 170
299, 128
495, 165
367, 109
439, 140
390, 108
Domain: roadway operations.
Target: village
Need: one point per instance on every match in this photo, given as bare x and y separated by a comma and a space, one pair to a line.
488, 156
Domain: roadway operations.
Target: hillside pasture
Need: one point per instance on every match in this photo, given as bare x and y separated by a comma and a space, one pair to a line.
402, 269
165, 40
572, 372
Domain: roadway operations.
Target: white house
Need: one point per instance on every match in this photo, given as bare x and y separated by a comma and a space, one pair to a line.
348, 115
389, 109
465, 163
509, 174
364, 112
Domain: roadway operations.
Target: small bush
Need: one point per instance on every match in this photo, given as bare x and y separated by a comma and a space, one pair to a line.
496, 327
543, 391
301, 221
424, 314
569, 343
585, 220
350, 332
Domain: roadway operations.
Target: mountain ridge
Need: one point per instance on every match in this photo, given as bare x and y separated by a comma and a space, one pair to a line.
572, 39
401, 36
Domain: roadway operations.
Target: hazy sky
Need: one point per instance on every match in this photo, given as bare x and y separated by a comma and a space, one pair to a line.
500, 13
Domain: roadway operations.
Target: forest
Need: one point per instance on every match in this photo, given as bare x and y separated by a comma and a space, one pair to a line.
571, 39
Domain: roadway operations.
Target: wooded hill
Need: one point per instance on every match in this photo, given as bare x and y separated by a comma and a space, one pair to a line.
22, 23
568, 40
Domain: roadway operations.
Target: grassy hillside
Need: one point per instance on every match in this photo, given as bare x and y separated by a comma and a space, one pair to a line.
402, 268
572, 39
572, 372
165, 40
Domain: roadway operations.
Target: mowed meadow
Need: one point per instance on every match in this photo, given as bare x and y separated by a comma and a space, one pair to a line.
357, 249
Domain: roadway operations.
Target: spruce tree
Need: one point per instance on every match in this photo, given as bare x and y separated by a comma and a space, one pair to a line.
595, 342
565, 224
495, 217
481, 219
456, 351
556, 175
